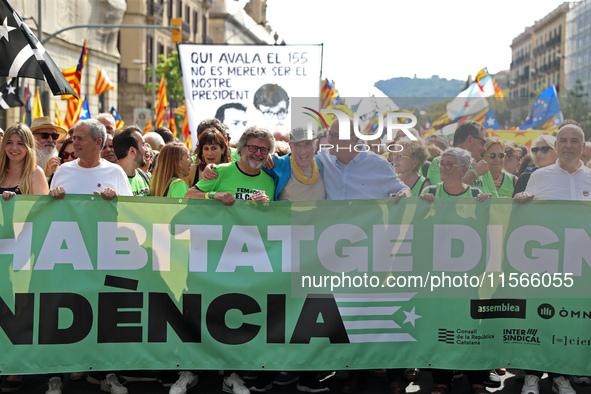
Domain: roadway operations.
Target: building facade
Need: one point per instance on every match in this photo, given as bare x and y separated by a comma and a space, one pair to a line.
65, 48
537, 58
577, 62
203, 22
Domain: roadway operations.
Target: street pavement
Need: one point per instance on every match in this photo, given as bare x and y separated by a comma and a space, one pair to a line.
210, 382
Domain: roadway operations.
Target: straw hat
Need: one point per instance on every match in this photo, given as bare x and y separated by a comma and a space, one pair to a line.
44, 123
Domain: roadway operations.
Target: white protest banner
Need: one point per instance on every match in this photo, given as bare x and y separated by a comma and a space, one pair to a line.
245, 85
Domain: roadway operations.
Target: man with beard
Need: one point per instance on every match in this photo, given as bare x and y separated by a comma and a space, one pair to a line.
46, 134
108, 152
242, 179
129, 149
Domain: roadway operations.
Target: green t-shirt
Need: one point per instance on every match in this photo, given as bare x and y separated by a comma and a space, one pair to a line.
140, 185
440, 191
508, 185
418, 186
241, 185
234, 154
178, 188
485, 182
433, 171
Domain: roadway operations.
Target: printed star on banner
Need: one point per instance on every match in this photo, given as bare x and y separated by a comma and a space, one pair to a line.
490, 121
83, 113
5, 29
411, 317
10, 89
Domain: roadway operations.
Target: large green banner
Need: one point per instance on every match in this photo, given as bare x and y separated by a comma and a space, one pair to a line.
158, 283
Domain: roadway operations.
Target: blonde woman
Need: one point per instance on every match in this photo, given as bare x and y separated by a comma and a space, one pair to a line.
19, 173
174, 162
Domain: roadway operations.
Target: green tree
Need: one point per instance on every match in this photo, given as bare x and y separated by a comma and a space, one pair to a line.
169, 68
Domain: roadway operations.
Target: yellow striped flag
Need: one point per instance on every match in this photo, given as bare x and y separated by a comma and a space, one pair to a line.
37, 108
74, 74
161, 103
103, 82
148, 127
58, 119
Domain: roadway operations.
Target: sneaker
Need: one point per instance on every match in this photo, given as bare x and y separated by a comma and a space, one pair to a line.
249, 375
54, 386
140, 376
10, 386
562, 386
234, 384
312, 387
185, 382
260, 385
494, 380
582, 380
284, 378
531, 385
93, 378
111, 385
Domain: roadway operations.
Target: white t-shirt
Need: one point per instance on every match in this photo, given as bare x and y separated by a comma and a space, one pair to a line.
79, 180
554, 183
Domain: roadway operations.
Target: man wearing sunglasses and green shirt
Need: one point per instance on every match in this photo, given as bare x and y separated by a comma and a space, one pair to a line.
242, 179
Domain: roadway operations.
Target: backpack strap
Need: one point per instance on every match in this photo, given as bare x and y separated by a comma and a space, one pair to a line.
432, 189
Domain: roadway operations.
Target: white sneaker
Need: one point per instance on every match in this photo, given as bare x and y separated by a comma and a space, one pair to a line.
562, 386
234, 384
582, 380
185, 382
111, 385
54, 386
531, 385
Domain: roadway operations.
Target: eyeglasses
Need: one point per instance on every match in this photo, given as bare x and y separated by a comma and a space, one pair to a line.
67, 155
447, 165
254, 149
544, 149
494, 155
281, 114
46, 136
481, 139
400, 156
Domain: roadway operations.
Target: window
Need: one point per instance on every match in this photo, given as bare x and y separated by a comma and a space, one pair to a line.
195, 21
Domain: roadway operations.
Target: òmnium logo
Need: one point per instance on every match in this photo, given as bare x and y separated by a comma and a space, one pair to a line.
519, 335
546, 311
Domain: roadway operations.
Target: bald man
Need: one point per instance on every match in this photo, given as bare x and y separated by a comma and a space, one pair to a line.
568, 178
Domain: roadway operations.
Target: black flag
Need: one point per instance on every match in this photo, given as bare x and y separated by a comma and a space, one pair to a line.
9, 95
22, 55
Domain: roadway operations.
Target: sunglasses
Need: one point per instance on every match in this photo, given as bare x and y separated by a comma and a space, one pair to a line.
493, 155
544, 149
447, 165
46, 136
254, 149
67, 155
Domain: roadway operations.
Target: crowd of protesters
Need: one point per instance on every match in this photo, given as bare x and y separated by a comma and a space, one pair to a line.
93, 157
